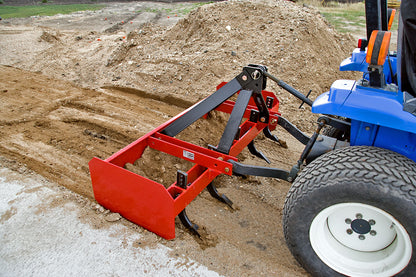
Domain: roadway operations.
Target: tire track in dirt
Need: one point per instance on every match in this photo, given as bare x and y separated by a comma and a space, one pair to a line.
168, 99
55, 128
119, 26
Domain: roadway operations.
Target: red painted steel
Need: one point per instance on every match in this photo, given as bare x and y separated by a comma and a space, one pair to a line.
148, 203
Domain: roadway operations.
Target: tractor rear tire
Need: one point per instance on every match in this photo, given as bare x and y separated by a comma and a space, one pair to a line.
353, 212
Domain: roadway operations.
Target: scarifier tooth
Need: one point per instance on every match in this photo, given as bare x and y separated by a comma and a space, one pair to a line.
223, 198
253, 150
192, 227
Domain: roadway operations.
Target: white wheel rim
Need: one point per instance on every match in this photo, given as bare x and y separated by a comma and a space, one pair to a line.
360, 240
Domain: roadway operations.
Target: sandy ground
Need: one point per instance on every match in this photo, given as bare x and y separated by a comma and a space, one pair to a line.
45, 231
74, 87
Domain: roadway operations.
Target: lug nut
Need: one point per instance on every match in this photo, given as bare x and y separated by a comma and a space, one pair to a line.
361, 237
349, 231
371, 222
348, 221
359, 216
373, 233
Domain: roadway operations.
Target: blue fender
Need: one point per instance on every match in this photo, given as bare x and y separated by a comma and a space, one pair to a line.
357, 63
377, 115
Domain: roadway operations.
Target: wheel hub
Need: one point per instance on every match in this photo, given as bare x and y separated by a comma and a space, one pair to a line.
361, 226
360, 240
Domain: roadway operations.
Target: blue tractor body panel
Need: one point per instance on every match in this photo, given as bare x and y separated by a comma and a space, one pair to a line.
377, 116
357, 62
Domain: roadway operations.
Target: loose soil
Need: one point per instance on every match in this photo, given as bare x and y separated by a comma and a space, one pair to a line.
74, 87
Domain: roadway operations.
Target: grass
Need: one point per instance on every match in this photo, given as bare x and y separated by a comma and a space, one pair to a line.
344, 17
39, 10
187, 9
181, 9
50, 9
343, 20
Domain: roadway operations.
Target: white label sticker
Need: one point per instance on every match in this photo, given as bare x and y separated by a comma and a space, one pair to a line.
188, 155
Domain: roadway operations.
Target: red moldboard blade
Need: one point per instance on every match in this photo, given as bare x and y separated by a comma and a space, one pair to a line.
136, 198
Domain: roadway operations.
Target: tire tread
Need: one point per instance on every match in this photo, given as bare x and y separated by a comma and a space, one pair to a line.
379, 166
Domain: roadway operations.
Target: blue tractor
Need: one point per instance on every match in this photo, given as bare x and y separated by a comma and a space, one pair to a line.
352, 210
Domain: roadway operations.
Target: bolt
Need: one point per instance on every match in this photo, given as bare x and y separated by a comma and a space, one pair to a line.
255, 75
371, 222
361, 237
349, 231
373, 233
348, 221
220, 158
227, 169
359, 216
367, 128
273, 121
244, 77
262, 119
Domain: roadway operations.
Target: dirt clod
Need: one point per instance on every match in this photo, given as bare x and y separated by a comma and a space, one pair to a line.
112, 217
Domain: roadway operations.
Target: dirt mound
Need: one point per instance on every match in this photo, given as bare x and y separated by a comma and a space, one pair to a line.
209, 46
215, 41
